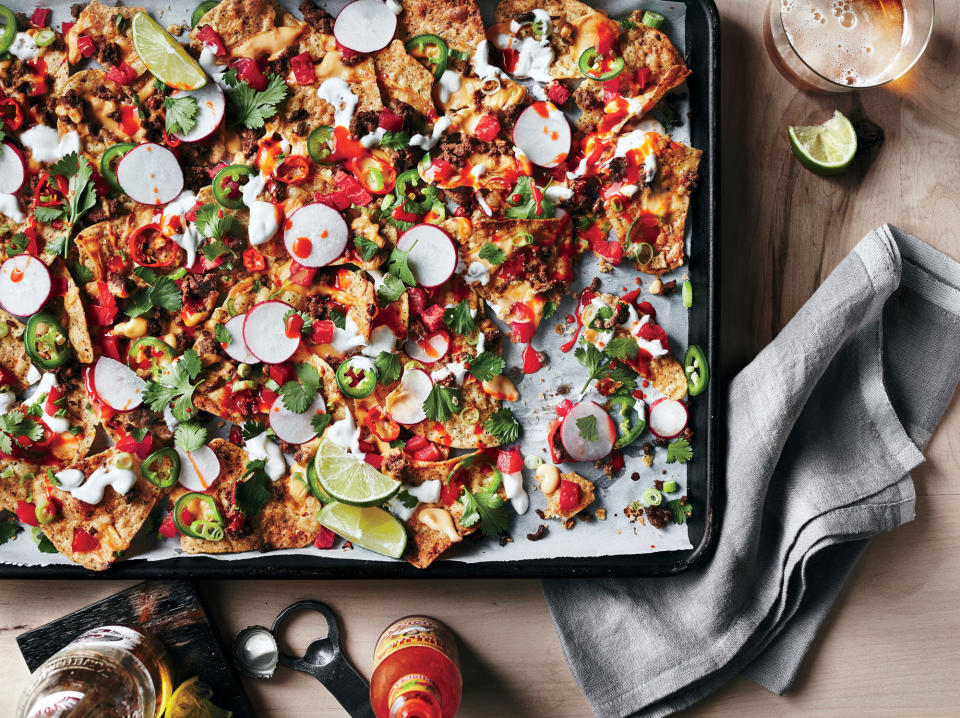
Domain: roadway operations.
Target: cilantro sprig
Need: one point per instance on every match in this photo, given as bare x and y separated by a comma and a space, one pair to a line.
679, 452
388, 367
299, 395
459, 318
253, 488
190, 435
503, 425
175, 387
593, 360
250, 108
15, 424
487, 507
442, 402
181, 114
487, 365
492, 253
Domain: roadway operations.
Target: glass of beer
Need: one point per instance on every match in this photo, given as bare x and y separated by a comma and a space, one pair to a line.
840, 45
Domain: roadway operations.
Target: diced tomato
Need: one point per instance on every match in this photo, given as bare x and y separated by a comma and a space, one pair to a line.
40, 17
401, 215
611, 90
414, 443
510, 58
510, 461
168, 528
141, 448
267, 397
122, 74
335, 200
487, 128
418, 300
208, 36
522, 332
281, 373
439, 171
84, 542
610, 250
325, 538
616, 460
433, 317
293, 325
654, 332
352, 190
346, 52
375, 460
302, 66
27, 513
53, 396
451, 490
643, 77
322, 331
557, 92
428, 453
249, 71
65, 27
110, 345
569, 495
302, 275
85, 45
390, 120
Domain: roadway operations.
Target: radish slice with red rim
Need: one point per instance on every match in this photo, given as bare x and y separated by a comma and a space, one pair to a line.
543, 134
25, 285
433, 254
237, 348
365, 25
578, 438
668, 418
211, 106
265, 332
13, 169
117, 385
405, 403
315, 235
150, 174
292, 427
430, 349
198, 469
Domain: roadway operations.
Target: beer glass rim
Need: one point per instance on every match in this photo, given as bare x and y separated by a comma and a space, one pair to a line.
913, 61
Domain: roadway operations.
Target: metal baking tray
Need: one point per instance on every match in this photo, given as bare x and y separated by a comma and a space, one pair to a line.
702, 42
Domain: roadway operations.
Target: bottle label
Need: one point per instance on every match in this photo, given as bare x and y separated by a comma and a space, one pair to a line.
414, 631
55, 703
413, 683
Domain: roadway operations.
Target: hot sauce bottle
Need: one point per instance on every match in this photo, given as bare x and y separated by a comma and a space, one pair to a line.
416, 671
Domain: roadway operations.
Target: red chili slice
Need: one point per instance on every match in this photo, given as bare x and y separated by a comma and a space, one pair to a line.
145, 249
253, 260
208, 36
293, 170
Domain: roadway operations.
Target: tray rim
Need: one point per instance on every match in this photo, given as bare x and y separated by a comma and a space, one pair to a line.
703, 24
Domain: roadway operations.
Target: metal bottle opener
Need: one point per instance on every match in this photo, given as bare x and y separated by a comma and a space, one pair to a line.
323, 659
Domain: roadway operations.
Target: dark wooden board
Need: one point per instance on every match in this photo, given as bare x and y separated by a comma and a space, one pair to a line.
171, 611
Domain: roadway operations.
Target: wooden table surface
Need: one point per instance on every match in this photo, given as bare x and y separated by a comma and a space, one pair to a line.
891, 646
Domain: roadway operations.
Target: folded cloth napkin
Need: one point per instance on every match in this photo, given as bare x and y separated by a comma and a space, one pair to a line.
822, 430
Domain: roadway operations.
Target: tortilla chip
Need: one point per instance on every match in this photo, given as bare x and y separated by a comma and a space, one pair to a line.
73, 447
53, 57
251, 28
667, 377
16, 482
458, 22
98, 22
464, 114
114, 521
553, 511
287, 522
120, 424
13, 355
99, 243
75, 314
403, 78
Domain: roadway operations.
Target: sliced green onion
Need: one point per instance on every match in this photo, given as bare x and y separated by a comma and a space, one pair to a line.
471, 415
459, 54
669, 487
178, 273
243, 385
644, 253
652, 19
652, 497
123, 461
44, 37
244, 370
687, 293
272, 385
532, 461
374, 179
4, 329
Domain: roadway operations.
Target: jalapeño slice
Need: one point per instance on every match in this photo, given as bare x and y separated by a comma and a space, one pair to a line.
599, 67
320, 145
162, 468
629, 418
696, 369
431, 48
108, 163
357, 377
227, 189
10, 28
46, 341
205, 521
414, 195
201, 10
150, 349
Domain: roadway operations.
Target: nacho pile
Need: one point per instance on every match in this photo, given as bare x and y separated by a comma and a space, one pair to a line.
205, 288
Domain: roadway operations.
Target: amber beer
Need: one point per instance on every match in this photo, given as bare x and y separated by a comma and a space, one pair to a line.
841, 44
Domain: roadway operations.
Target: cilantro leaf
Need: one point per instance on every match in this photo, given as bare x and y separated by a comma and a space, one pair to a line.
680, 511
222, 335
594, 361
252, 109
164, 294
251, 429
139, 433
253, 489
487, 507
492, 253
442, 402
15, 424
44, 545
175, 387
679, 452
587, 427
181, 114
81, 195
190, 435
623, 374
395, 140
319, 423
45, 215
18, 244
407, 500
391, 289
8, 528
339, 318
365, 247
527, 207
549, 309
487, 365
622, 348
299, 395
459, 318
398, 266
81, 275
388, 367
628, 24
212, 222
504, 425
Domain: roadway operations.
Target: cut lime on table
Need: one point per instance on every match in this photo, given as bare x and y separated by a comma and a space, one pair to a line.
192, 700
164, 56
826, 149
350, 479
369, 527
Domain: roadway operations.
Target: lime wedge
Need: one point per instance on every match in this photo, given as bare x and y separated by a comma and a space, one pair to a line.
164, 56
826, 149
192, 700
369, 527
350, 479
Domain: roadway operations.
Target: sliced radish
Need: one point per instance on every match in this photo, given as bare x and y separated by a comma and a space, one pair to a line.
405, 403
668, 418
430, 349
24, 285
543, 134
117, 385
292, 427
13, 169
265, 332
198, 469
211, 106
365, 25
150, 174
433, 255
237, 348
315, 235
572, 434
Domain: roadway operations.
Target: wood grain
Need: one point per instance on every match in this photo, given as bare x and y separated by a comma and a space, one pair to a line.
892, 644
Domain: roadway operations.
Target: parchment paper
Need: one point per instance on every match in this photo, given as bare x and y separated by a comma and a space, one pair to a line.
613, 536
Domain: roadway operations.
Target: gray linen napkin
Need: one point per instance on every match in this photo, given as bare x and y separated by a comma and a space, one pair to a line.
823, 428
